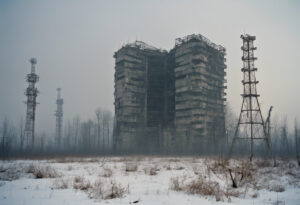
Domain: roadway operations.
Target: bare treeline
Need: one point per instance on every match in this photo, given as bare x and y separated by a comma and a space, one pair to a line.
95, 137
80, 137
284, 140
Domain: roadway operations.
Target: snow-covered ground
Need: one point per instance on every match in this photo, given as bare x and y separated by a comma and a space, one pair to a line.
148, 180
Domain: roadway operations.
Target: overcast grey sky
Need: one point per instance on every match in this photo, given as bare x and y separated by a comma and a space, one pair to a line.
74, 42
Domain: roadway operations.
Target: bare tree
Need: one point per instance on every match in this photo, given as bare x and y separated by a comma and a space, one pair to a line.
296, 143
284, 139
21, 134
230, 123
76, 125
107, 118
4, 135
98, 116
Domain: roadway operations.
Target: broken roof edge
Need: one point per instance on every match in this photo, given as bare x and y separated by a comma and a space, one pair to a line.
143, 46
185, 39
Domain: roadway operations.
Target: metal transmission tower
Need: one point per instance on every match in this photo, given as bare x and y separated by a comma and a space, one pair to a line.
31, 93
251, 125
59, 118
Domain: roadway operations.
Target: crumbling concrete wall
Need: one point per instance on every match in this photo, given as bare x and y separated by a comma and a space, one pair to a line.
199, 93
140, 73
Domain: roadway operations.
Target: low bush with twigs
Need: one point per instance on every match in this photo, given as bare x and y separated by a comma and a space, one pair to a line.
42, 171
131, 167
80, 183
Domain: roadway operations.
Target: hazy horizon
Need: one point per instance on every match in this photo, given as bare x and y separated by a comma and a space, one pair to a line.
74, 43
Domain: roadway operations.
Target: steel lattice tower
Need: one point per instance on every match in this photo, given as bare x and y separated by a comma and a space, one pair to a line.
251, 125
31, 93
59, 117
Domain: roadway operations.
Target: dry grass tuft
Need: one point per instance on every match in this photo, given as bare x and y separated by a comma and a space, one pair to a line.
60, 184
116, 191
204, 187
70, 168
152, 171
107, 172
174, 160
10, 173
131, 167
277, 188
42, 172
263, 163
81, 183
177, 184
112, 190
179, 168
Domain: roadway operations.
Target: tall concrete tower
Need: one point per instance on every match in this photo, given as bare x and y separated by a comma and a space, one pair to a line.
31, 93
59, 118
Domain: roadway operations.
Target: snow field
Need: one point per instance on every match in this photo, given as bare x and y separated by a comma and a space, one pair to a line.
148, 180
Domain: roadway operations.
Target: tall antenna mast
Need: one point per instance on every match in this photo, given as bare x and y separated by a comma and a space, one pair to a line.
251, 124
59, 118
31, 93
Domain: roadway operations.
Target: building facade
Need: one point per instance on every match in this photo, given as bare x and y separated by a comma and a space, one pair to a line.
169, 102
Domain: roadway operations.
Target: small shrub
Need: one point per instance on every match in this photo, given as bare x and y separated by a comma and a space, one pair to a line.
204, 187
176, 184
81, 183
263, 163
106, 173
10, 173
277, 188
116, 191
60, 184
174, 160
42, 172
179, 168
2, 169
131, 167
168, 167
152, 171
31, 169
70, 168
97, 190
112, 190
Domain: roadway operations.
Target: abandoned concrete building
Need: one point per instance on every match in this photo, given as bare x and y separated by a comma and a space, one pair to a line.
168, 102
